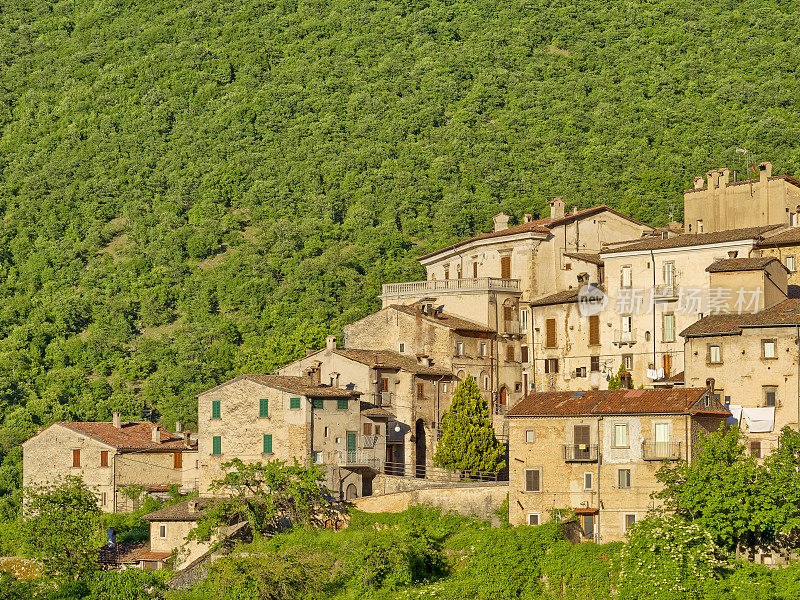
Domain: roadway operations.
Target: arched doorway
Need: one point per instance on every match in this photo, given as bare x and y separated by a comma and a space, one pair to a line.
422, 450
351, 492
503, 399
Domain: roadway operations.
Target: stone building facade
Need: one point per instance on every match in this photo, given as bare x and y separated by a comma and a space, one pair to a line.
110, 457
594, 454
273, 417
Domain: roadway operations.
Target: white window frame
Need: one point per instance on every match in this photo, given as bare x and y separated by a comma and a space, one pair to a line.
525, 475
162, 532
626, 323
626, 276
538, 519
483, 347
615, 442
627, 360
530, 436
401, 347
588, 478
790, 263
523, 320
767, 344
714, 359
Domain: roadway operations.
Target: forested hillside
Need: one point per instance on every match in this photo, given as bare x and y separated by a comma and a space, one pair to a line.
193, 190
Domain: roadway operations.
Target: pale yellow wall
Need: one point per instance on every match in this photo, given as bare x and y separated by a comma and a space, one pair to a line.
176, 532
781, 253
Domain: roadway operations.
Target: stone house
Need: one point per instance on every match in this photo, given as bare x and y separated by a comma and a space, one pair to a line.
274, 417
415, 390
717, 204
169, 528
595, 453
754, 361
785, 246
109, 457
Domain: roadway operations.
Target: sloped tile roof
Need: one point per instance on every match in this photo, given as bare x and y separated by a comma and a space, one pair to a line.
562, 297
390, 359
131, 436
694, 239
614, 402
296, 385
180, 511
783, 314
586, 257
726, 265
442, 318
789, 236
124, 552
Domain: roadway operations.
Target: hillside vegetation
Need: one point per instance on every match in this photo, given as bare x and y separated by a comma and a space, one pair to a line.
193, 190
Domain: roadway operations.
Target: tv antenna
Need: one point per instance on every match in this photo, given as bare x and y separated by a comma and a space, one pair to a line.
748, 165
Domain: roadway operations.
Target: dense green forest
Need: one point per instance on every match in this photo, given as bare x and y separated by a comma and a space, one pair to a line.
193, 190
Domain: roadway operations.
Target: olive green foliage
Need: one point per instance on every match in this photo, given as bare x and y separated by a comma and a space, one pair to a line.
130, 584
61, 524
468, 440
270, 496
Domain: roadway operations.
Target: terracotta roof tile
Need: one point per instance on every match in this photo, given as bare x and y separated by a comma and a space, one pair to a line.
390, 359
180, 511
586, 257
615, 402
789, 236
442, 318
562, 297
783, 314
132, 435
296, 385
123, 552
694, 239
726, 265
154, 556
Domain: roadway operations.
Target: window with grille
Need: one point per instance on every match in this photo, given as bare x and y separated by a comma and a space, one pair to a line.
533, 480
594, 364
770, 396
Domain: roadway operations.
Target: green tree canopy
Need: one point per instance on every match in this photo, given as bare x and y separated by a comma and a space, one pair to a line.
468, 440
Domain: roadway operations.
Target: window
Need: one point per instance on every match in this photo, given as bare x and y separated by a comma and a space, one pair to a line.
755, 448
377, 429
587, 481
630, 521
326, 432
447, 272
588, 526
530, 436
458, 271
510, 353
714, 354
624, 479
580, 372
162, 531
594, 330
103, 458
402, 347
533, 518
768, 349
216, 445
103, 498
699, 228
523, 354
367, 428
483, 348
267, 443
317, 456
621, 435
627, 324
338, 440
625, 277
459, 348
523, 321
485, 382
627, 360
669, 328
505, 267
76, 458
551, 365
177, 460
317, 403
594, 364
550, 338
669, 273
215, 410
508, 314
770, 395
533, 480
790, 262
475, 270
294, 403
384, 384
341, 404
263, 408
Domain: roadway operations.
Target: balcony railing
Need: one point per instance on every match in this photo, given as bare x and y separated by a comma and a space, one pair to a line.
382, 398
512, 327
665, 292
358, 458
662, 451
580, 452
624, 337
440, 286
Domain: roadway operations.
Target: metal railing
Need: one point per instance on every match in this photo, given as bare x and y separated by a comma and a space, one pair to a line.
358, 458
432, 473
414, 288
662, 450
624, 337
580, 452
665, 292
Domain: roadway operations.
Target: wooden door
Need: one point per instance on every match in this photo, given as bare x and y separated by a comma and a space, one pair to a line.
581, 439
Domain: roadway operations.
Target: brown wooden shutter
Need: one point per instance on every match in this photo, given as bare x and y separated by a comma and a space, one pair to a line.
367, 428
582, 435
508, 313
594, 330
524, 354
505, 267
384, 384
177, 460
532, 483
475, 270
103, 458
420, 390
76, 458
510, 353
550, 340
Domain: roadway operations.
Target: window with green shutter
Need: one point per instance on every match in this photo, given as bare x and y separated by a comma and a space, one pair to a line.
267, 443
341, 404
318, 403
294, 403
216, 445
215, 410
263, 407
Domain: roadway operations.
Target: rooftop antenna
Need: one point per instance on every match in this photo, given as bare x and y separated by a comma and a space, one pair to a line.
747, 166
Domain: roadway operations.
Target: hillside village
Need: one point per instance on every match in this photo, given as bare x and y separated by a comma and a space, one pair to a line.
698, 322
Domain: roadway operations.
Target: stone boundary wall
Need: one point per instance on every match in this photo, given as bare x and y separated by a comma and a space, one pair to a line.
391, 484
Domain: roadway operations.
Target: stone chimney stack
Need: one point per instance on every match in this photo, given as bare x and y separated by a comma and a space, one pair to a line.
764, 171
724, 177
178, 427
192, 505
710, 382
713, 179
156, 434
500, 222
528, 218
330, 343
118, 420
733, 253
187, 438
556, 208
699, 183
312, 375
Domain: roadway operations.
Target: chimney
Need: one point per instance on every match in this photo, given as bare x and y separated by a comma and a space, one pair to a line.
500, 222
556, 208
733, 253
528, 218
312, 375
178, 426
713, 179
574, 210
724, 177
187, 438
156, 434
192, 505
710, 384
330, 342
764, 170
118, 420
699, 182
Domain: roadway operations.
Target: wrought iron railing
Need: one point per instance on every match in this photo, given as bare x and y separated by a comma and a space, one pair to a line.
580, 452
662, 450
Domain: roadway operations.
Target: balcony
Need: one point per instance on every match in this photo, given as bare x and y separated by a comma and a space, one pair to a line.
383, 399
665, 292
662, 450
580, 452
354, 459
512, 327
622, 338
449, 286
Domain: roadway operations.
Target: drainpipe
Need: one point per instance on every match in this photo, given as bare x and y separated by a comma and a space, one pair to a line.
114, 481
797, 331
497, 347
655, 362
599, 461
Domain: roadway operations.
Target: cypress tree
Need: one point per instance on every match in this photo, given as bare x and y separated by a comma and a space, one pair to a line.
468, 441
